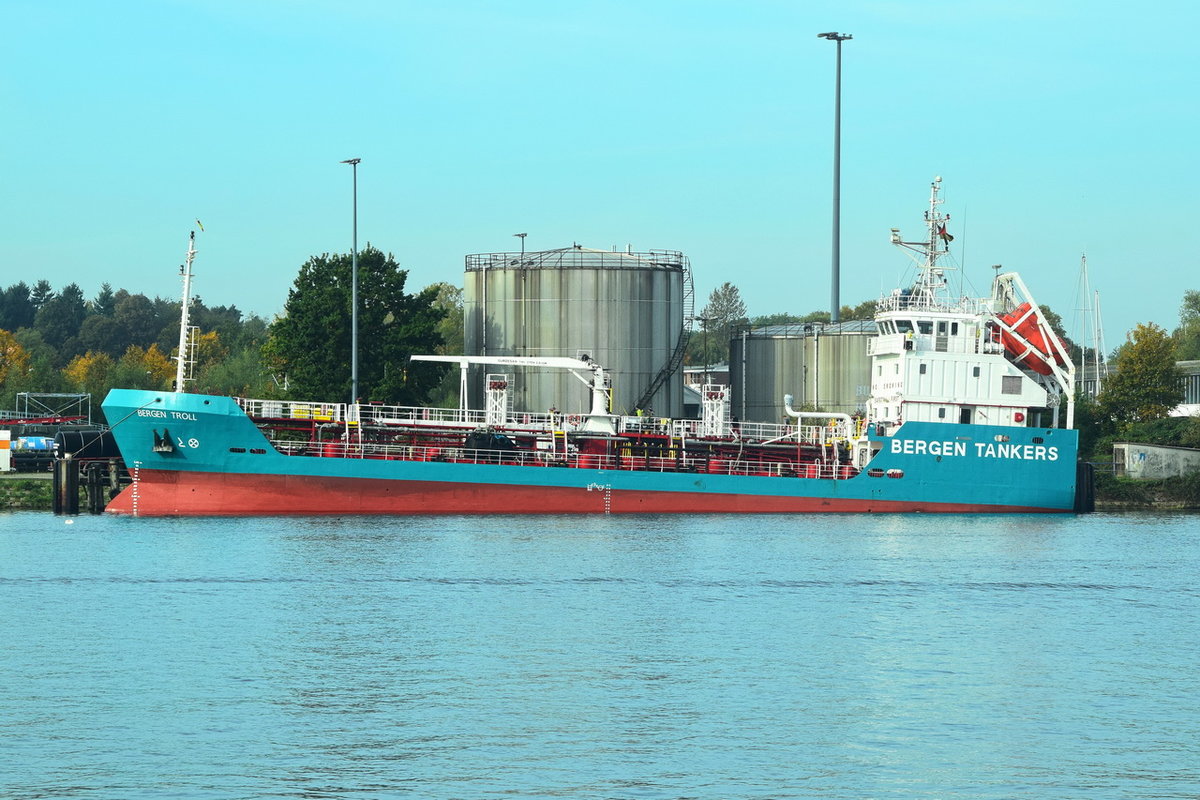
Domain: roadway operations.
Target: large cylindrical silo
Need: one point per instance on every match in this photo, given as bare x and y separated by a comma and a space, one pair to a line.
625, 310
822, 366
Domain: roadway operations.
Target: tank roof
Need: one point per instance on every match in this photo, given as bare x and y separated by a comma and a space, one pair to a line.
579, 257
853, 327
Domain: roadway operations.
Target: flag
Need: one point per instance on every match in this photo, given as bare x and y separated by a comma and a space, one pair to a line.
201, 227
946, 237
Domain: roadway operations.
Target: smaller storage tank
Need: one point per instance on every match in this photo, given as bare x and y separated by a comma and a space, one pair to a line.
824, 366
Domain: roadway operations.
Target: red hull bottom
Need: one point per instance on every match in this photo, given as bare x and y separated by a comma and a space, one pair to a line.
159, 493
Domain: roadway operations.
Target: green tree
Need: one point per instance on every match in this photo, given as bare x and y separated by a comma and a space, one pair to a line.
1147, 384
710, 338
138, 318
105, 302
59, 319
44, 373
864, 310
103, 334
16, 308
781, 318
449, 300
1056, 325
310, 344
40, 294
241, 374
1187, 335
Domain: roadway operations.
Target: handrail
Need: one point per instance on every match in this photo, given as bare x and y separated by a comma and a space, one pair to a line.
547, 458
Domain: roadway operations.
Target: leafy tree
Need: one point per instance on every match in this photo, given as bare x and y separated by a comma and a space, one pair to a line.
450, 300
90, 373
16, 308
864, 310
725, 307
781, 318
1187, 335
1056, 325
14, 359
59, 318
241, 375
103, 334
311, 342
1147, 384
143, 369
138, 318
44, 374
710, 340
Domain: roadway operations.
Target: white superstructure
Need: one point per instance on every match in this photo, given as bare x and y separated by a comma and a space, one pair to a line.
991, 361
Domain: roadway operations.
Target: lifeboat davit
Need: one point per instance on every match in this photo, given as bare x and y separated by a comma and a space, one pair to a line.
1029, 348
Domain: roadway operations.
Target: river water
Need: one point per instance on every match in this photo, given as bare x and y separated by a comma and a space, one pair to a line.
861, 656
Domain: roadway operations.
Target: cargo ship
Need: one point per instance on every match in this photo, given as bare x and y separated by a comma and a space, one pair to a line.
970, 411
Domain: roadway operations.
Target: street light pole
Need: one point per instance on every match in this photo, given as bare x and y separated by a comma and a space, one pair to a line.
835, 300
353, 162
704, 341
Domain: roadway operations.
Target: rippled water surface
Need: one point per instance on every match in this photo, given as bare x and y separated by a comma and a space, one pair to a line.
601, 657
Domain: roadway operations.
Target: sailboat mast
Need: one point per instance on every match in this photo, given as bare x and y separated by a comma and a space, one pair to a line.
1101, 353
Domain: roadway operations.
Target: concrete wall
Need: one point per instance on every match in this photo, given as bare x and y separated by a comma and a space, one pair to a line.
1149, 461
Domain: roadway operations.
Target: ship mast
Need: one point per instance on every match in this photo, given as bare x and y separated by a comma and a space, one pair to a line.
185, 272
931, 279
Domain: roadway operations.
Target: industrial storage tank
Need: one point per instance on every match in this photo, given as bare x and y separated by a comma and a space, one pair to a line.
629, 311
823, 366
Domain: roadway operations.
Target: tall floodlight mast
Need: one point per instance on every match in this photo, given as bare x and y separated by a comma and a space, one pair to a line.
835, 299
353, 162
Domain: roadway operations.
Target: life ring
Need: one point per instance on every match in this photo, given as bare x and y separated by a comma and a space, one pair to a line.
1019, 417
572, 419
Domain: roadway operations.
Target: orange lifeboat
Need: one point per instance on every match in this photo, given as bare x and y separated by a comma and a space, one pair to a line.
1030, 348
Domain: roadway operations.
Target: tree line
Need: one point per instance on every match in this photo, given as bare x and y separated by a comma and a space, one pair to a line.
61, 341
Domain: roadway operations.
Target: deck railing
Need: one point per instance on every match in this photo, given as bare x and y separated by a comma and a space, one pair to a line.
469, 419
546, 458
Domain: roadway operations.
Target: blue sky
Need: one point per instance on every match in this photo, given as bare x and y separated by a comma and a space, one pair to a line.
1059, 128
